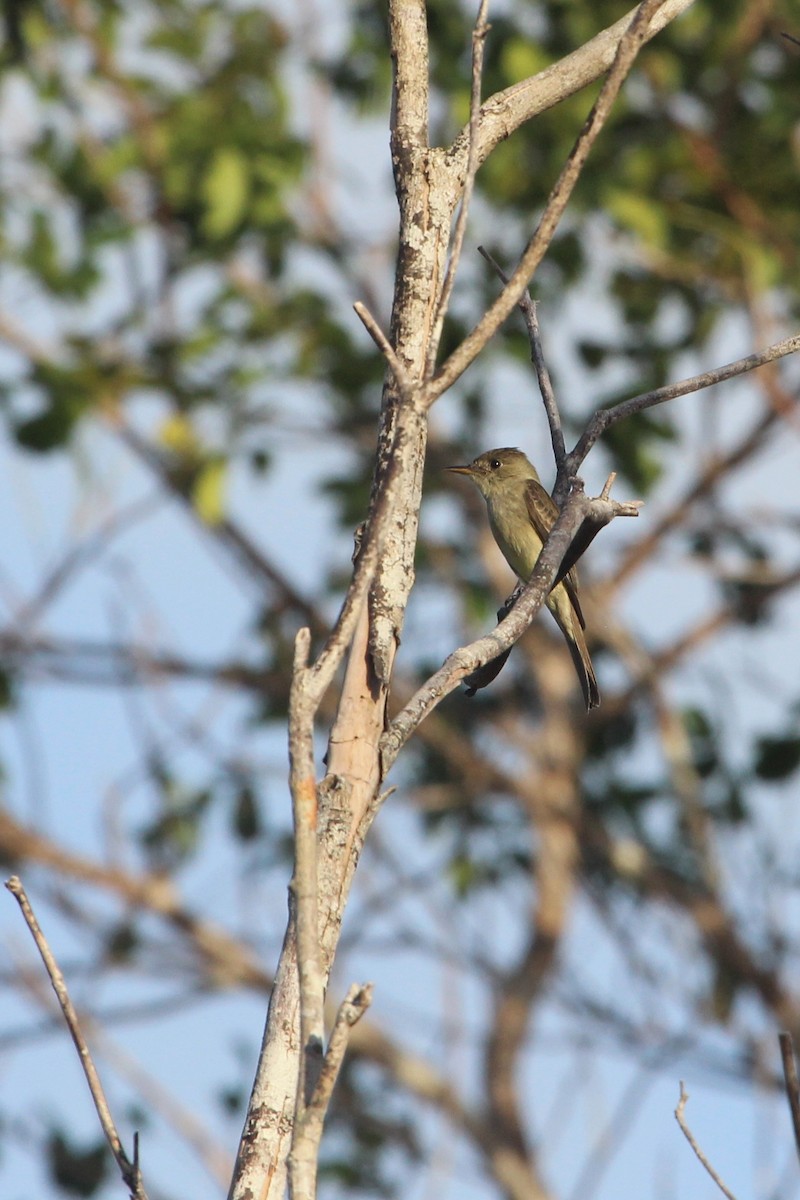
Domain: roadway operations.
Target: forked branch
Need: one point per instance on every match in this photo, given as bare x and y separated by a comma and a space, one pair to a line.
580, 518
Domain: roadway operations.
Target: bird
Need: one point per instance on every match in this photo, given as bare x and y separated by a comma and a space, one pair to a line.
521, 515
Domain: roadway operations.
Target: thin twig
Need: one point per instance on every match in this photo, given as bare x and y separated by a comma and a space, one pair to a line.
402, 378
506, 111
308, 1136
580, 518
304, 878
527, 306
792, 1083
479, 33
370, 545
534, 252
681, 1119
130, 1172
606, 417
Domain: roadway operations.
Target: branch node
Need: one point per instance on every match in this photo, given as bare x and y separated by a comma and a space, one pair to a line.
401, 375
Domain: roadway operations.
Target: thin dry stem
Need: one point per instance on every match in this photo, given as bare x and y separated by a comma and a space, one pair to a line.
380, 339
130, 1172
308, 1135
527, 306
681, 1119
478, 46
606, 417
304, 879
792, 1085
534, 252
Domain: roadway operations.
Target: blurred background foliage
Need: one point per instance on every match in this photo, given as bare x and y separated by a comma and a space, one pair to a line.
191, 196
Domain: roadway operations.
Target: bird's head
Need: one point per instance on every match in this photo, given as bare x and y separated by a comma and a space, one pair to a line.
495, 469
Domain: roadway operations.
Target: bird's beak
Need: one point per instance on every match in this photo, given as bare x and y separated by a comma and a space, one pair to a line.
460, 470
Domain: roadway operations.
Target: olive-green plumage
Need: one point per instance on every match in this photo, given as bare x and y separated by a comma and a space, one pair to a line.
521, 515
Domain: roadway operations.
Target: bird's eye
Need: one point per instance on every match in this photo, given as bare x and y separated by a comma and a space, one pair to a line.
495, 464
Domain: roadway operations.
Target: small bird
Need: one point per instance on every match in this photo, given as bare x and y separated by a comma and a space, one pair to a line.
521, 515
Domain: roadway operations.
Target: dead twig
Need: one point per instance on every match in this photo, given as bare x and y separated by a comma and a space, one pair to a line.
308, 1132
579, 521
527, 307
687, 1133
129, 1170
792, 1083
606, 417
305, 902
467, 351
402, 378
479, 33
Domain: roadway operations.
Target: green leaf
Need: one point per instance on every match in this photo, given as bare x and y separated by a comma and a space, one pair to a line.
78, 1172
48, 431
208, 491
225, 190
640, 214
246, 817
521, 57
777, 758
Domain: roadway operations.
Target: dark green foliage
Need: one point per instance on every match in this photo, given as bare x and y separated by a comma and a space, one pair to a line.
77, 1171
7, 690
777, 758
704, 740
122, 942
635, 447
173, 836
246, 817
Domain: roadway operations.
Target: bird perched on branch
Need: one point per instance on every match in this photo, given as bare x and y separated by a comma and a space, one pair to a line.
521, 515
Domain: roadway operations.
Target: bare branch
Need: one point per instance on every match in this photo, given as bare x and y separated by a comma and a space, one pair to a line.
506, 111
370, 545
606, 417
580, 518
380, 339
408, 26
479, 33
304, 880
527, 307
534, 252
792, 1084
130, 1172
304, 1156
681, 1119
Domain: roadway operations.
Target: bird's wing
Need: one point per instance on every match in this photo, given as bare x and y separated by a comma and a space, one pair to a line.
543, 512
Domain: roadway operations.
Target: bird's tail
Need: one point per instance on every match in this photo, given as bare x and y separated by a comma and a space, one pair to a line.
583, 666
567, 618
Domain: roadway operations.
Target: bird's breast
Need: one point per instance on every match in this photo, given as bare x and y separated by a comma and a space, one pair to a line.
514, 534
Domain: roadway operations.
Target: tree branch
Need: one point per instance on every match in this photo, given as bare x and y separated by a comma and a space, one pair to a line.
606, 417
506, 111
304, 1157
479, 33
792, 1085
404, 383
629, 46
129, 1170
527, 307
681, 1119
302, 780
579, 514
